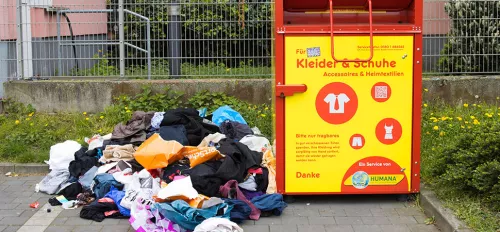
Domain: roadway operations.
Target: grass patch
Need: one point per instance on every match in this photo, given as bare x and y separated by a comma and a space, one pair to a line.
460, 155
27, 135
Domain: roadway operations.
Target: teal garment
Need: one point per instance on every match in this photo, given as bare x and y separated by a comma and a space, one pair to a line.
187, 217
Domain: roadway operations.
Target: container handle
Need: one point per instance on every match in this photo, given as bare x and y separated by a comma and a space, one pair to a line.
371, 35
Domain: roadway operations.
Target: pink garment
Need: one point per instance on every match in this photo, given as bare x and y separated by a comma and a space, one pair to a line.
224, 190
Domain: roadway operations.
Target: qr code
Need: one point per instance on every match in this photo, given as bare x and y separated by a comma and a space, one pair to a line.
381, 92
313, 52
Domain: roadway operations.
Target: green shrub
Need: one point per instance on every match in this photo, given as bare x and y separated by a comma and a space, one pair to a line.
473, 164
474, 38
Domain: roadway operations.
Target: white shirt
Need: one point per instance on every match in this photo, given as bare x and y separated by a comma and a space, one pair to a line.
332, 98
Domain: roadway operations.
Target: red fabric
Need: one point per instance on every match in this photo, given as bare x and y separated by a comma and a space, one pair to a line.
109, 213
255, 170
105, 199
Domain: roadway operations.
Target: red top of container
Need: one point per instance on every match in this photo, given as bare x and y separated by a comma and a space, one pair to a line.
323, 5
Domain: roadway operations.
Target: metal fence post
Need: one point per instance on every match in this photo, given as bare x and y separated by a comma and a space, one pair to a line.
59, 51
19, 47
148, 36
121, 37
174, 39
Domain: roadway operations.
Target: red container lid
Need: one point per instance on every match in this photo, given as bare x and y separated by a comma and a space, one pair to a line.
323, 5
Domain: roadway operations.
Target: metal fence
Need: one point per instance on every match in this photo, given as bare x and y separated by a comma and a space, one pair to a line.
203, 38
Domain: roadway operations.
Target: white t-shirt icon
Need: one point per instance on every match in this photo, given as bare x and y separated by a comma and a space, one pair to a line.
388, 132
332, 99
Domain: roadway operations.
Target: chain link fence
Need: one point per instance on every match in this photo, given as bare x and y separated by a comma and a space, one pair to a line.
162, 39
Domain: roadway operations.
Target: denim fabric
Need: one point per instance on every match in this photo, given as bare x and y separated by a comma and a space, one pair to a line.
270, 203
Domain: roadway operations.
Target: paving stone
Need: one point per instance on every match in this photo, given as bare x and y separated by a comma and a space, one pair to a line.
422, 228
122, 221
384, 212
71, 212
30, 193
409, 212
332, 212
339, 228
59, 229
366, 228
306, 212
322, 221
376, 221
394, 228
9, 206
13, 221
392, 205
10, 212
309, 228
11, 229
294, 220
5, 199
403, 220
33, 228
106, 222
28, 200
355, 205
28, 213
76, 221
268, 221
14, 182
358, 212
283, 228
420, 219
256, 228
348, 220
2, 227
60, 220
91, 228
116, 228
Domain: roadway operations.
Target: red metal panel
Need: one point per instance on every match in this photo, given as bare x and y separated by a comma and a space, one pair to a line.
417, 111
351, 29
280, 102
301, 5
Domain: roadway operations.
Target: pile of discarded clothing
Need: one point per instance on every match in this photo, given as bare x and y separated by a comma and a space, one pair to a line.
179, 170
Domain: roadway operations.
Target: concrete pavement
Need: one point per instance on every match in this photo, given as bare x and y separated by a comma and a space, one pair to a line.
371, 213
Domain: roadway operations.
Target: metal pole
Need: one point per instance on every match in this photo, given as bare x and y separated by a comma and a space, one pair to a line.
26, 39
59, 52
121, 37
19, 47
148, 36
174, 40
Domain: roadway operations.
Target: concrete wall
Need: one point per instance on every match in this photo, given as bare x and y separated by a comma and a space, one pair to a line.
94, 96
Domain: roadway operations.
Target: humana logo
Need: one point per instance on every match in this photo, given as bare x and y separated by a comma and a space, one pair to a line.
383, 178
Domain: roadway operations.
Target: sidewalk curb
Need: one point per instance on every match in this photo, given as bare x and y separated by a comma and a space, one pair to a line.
24, 168
446, 221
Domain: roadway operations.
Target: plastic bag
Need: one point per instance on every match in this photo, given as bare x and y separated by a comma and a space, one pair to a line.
94, 142
62, 154
224, 113
158, 153
141, 219
143, 185
256, 143
199, 155
179, 190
